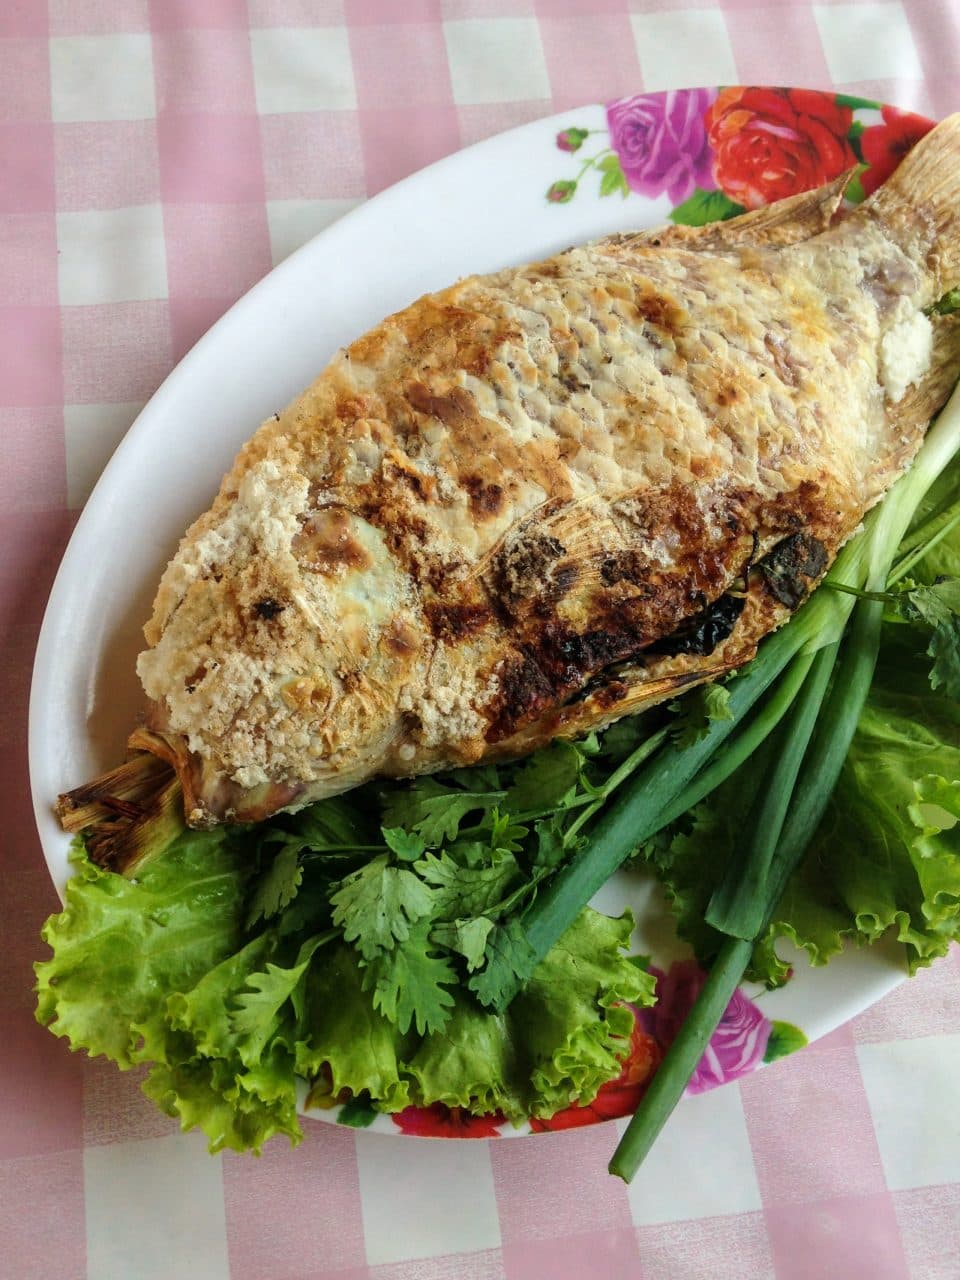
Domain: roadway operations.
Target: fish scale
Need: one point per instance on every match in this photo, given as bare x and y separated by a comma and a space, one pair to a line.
515, 510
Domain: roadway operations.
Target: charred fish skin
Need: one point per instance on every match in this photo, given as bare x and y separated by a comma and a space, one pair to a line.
541, 499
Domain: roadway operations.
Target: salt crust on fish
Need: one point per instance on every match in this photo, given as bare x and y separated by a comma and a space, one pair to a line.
544, 498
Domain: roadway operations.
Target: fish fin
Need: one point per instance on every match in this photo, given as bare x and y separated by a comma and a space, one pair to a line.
775, 226
919, 204
598, 709
585, 535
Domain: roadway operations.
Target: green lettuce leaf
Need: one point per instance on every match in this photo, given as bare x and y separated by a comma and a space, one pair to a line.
160, 971
887, 854
343, 1033
572, 1052
149, 970
560, 1040
476, 1063
119, 942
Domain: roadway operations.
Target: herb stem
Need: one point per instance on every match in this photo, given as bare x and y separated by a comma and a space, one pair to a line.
527, 815
343, 848
619, 775
883, 596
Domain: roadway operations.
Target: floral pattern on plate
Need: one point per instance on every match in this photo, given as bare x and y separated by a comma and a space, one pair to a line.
715, 153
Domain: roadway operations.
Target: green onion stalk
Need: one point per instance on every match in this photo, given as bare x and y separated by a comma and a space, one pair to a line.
813, 745
807, 684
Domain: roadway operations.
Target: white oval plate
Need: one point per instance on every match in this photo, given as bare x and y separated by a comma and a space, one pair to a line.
476, 211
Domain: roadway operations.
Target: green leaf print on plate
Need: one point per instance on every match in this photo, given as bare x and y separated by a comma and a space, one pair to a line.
705, 206
784, 1038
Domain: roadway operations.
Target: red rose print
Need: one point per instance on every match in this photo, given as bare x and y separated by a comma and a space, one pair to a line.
772, 143
440, 1121
885, 145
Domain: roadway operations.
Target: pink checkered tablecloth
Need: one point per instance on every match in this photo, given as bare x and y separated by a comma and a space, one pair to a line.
156, 158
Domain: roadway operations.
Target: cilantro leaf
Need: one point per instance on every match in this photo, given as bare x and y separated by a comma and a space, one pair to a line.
276, 888
698, 710
407, 847
434, 810
551, 847
409, 983
938, 607
510, 961
469, 853
936, 604
944, 649
310, 909
467, 938
376, 906
343, 820
477, 777
460, 892
505, 833
548, 779
255, 1017
519, 896
442, 815
622, 738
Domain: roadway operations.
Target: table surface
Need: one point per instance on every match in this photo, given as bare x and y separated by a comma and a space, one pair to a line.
156, 158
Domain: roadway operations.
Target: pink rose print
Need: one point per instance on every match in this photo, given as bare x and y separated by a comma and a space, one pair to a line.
739, 1043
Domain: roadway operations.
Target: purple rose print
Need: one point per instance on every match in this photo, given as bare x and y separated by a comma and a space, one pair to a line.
662, 142
736, 1047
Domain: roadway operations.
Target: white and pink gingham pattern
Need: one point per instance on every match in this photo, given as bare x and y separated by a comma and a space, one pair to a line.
156, 157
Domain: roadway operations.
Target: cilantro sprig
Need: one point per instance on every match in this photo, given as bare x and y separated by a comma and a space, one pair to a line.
434, 898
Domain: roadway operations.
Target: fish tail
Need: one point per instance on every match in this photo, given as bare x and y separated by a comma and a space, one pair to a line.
919, 204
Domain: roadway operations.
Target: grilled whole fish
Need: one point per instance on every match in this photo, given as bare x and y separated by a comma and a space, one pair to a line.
541, 499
